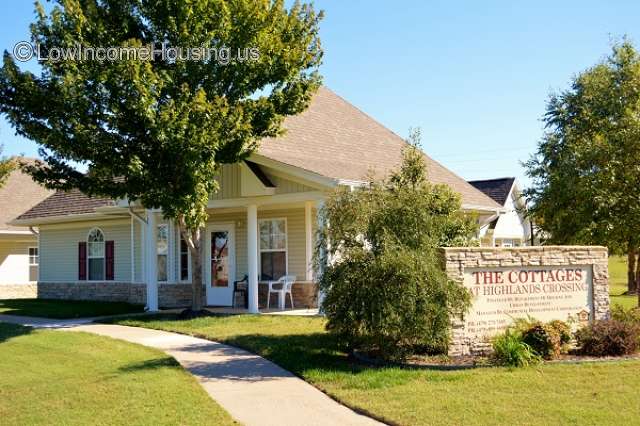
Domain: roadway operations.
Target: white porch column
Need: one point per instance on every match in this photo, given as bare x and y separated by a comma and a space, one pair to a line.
323, 254
308, 230
151, 258
252, 256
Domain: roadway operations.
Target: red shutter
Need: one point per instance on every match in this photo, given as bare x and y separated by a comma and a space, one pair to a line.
82, 261
109, 260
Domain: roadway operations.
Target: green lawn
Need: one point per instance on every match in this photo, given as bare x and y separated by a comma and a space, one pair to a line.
618, 283
70, 378
61, 309
602, 394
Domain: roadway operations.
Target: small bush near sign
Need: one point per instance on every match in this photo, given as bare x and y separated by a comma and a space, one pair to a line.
609, 338
509, 349
385, 291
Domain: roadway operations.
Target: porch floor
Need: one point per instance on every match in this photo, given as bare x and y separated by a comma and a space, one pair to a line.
239, 311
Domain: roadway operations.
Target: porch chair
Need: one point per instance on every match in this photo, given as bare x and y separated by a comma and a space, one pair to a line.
241, 286
286, 285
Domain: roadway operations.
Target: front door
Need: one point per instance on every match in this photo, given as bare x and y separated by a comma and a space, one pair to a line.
220, 264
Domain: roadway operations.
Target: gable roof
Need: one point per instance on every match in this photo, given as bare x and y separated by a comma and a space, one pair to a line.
66, 203
19, 194
335, 139
497, 189
332, 138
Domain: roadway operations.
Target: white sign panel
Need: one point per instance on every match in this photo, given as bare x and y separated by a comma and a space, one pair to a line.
546, 293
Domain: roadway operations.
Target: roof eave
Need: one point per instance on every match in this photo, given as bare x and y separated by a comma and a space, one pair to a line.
81, 217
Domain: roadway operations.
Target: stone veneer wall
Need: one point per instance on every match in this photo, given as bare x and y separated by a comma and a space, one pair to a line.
18, 291
169, 295
456, 259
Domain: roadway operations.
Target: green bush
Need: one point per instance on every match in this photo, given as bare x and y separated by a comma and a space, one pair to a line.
386, 291
563, 329
548, 340
609, 338
510, 350
631, 316
544, 340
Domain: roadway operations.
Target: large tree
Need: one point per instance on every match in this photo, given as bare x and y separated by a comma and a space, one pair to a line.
156, 130
586, 172
7, 165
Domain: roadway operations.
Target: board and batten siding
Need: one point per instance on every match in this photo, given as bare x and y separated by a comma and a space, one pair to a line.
59, 249
229, 182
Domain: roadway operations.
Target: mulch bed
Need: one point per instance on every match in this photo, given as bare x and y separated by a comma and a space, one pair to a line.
443, 362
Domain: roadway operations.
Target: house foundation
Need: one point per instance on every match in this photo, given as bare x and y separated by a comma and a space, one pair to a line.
169, 295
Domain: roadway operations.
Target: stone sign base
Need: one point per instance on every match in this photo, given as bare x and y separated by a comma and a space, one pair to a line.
568, 283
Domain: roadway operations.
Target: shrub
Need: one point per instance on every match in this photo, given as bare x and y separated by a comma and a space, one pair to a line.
563, 329
609, 338
544, 340
509, 349
631, 315
386, 291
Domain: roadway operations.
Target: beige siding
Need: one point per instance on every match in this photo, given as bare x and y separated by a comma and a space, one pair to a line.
14, 261
286, 186
137, 250
229, 182
296, 254
59, 249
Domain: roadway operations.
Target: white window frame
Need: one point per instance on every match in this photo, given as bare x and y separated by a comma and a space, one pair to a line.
286, 245
179, 273
37, 256
167, 265
103, 257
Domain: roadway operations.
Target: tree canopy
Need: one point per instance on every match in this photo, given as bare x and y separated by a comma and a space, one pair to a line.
7, 165
156, 129
586, 171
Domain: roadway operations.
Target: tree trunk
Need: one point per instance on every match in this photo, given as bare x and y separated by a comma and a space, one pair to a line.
638, 277
196, 277
193, 238
632, 271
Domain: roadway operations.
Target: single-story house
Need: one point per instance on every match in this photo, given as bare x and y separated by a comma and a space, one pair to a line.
261, 221
18, 244
511, 228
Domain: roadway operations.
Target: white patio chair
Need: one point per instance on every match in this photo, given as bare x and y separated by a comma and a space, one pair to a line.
285, 284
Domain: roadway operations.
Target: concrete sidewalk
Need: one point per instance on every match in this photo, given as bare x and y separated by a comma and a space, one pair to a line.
253, 390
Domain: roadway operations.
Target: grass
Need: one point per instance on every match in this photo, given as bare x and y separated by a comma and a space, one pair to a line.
72, 378
61, 309
593, 393
618, 283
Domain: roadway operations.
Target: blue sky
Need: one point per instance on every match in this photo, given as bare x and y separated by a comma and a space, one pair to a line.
474, 76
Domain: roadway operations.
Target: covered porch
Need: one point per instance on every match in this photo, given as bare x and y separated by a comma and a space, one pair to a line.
247, 243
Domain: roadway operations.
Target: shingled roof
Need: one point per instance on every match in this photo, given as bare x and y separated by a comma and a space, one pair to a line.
66, 203
497, 189
335, 139
18, 194
332, 138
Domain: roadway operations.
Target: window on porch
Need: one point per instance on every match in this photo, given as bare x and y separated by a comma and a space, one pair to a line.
162, 245
273, 248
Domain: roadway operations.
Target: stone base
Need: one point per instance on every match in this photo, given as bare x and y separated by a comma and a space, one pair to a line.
18, 291
169, 295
